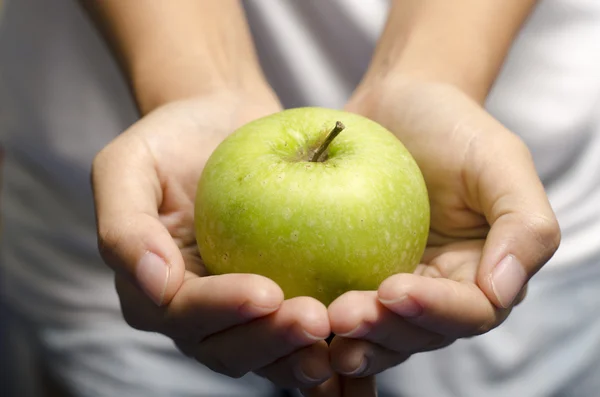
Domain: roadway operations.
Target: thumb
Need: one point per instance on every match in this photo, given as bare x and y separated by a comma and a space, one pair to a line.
131, 238
524, 231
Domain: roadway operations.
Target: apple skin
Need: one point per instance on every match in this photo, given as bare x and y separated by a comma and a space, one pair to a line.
316, 228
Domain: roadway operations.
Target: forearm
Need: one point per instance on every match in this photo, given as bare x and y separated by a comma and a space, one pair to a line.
458, 42
171, 50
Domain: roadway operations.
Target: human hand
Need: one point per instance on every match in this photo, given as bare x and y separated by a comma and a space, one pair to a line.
492, 228
144, 187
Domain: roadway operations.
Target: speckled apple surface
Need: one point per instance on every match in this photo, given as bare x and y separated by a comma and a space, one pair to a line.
316, 228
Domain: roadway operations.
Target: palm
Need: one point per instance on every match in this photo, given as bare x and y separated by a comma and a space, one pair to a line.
441, 131
457, 232
180, 137
145, 184
491, 228
453, 140
455, 244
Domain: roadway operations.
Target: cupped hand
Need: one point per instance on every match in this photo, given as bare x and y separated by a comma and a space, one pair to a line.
492, 229
144, 186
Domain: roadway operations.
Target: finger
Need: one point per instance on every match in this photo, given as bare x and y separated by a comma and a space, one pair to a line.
357, 358
138, 311
204, 305
359, 387
307, 367
131, 239
207, 305
447, 307
339, 386
299, 322
524, 231
359, 314
330, 388
522, 295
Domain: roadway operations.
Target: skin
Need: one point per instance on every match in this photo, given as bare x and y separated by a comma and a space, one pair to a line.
451, 292
315, 228
213, 319
484, 207
430, 74
189, 102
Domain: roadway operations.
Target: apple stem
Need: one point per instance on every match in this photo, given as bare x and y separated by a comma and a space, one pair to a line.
339, 127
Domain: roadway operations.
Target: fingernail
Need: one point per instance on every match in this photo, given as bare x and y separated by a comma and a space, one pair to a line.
152, 274
405, 306
359, 370
507, 279
358, 332
250, 310
305, 378
313, 337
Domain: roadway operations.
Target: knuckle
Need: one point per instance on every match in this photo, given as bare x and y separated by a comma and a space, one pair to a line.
550, 235
492, 321
255, 288
348, 299
184, 347
515, 144
98, 161
206, 354
99, 157
219, 366
109, 238
354, 296
133, 318
484, 328
519, 143
522, 295
131, 314
101, 160
137, 311
235, 374
312, 313
546, 232
134, 321
281, 342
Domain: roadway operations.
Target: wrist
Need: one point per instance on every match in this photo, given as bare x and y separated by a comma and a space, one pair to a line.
406, 75
460, 43
156, 84
229, 108
396, 90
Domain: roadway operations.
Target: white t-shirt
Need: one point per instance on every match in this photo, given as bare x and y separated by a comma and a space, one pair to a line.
62, 99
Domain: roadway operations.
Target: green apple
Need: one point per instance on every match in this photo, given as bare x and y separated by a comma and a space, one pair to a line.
319, 214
